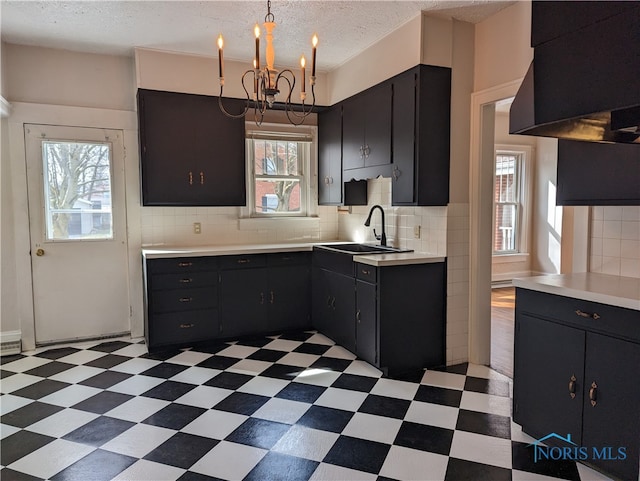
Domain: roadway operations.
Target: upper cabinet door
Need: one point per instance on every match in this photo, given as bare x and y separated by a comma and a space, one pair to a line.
404, 138
330, 156
191, 153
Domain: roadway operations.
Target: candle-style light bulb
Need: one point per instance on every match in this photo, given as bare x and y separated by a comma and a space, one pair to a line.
256, 31
314, 42
220, 61
303, 62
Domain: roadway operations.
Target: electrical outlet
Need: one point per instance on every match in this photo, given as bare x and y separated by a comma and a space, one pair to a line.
197, 228
416, 231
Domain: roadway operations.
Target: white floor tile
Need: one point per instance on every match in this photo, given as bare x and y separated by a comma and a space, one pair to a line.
77, 374
133, 350
282, 345
481, 449
143, 470
361, 368
135, 366
320, 339
17, 381
410, 464
139, 440
432, 415
486, 403
306, 443
215, 424
250, 366
263, 386
10, 403
190, 358
298, 359
137, 409
70, 395
229, 461
331, 472
444, 379
82, 357
24, 364
62, 422
477, 370
51, 458
588, 474
136, 385
195, 375
395, 389
282, 410
204, 396
237, 351
339, 352
317, 377
518, 435
341, 399
374, 428
6, 430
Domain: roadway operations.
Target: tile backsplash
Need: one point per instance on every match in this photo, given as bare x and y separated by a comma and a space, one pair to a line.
615, 240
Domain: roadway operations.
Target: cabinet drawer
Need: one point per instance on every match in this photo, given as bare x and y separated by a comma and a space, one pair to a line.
183, 280
366, 272
181, 264
243, 262
587, 315
288, 258
180, 327
184, 299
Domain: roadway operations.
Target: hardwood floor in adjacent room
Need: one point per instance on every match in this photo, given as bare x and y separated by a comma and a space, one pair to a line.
502, 322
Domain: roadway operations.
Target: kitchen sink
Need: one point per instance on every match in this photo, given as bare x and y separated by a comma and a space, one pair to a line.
362, 248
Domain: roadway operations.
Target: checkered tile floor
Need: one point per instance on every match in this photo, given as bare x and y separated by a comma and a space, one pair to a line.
289, 407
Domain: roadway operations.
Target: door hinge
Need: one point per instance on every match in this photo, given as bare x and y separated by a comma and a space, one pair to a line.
130, 311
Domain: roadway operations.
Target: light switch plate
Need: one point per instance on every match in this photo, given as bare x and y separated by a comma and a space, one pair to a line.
197, 228
416, 231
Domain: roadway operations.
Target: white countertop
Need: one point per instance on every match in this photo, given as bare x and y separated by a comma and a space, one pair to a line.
603, 288
379, 260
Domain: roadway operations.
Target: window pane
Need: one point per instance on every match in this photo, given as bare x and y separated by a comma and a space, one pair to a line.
77, 190
277, 195
505, 228
506, 176
274, 157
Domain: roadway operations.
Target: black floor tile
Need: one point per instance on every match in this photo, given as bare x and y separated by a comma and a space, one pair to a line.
11, 358
301, 336
523, 460
462, 470
5, 374
331, 364
325, 419
268, 355
456, 369
105, 379
49, 369
385, 406
359, 454
164, 370
99, 465
210, 347
174, 416
181, 450
355, 383
29, 414
241, 403
487, 386
282, 371
57, 353
259, 433
229, 380
305, 393
7, 474
191, 476
161, 355
40, 389
102, 402
107, 361
99, 431
424, 438
219, 362
254, 341
307, 348
110, 346
169, 390
19, 444
484, 423
286, 468
438, 395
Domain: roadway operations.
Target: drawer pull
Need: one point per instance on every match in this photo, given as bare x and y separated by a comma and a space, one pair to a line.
185, 264
272, 298
366, 272
593, 393
358, 316
262, 298
186, 299
190, 178
185, 281
586, 314
186, 326
572, 386
243, 261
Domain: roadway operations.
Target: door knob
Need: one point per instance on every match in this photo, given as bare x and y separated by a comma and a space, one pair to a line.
40, 252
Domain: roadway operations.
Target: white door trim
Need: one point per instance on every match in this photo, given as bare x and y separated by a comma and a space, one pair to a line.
126, 121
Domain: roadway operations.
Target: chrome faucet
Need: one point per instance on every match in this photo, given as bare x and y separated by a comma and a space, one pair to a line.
383, 237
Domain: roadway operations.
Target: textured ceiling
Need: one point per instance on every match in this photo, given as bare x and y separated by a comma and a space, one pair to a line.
116, 27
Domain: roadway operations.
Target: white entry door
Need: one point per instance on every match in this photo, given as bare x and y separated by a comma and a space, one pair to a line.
75, 180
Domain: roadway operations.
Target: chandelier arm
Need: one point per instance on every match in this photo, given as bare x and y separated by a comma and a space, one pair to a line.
246, 107
295, 117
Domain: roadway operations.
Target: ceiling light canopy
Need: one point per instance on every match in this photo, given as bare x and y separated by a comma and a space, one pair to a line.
267, 80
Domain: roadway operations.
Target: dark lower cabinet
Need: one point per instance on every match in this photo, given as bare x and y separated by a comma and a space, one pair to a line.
289, 297
367, 322
244, 301
575, 364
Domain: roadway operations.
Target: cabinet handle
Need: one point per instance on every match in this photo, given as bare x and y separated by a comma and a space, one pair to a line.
185, 264
358, 316
326, 180
331, 180
185, 281
572, 386
186, 299
271, 298
243, 261
366, 272
262, 298
586, 314
186, 326
361, 151
367, 151
328, 301
333, 303
593, 393
190, 178
201, 178
396, 172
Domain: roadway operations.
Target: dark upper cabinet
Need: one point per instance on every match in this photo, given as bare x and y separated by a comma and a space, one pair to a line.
191, 153
591, 173
421, 136
330, 156
366, 129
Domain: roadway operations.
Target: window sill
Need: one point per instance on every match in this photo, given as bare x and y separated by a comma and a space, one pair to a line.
255, 223
507, 258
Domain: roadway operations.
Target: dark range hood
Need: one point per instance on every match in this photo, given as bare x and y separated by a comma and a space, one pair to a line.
584, 82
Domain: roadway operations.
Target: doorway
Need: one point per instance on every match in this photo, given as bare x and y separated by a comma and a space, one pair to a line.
77, 227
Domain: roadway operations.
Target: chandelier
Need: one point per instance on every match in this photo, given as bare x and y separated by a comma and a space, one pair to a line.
267, 81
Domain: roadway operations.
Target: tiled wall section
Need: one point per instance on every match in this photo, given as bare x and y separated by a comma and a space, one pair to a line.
615, 240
